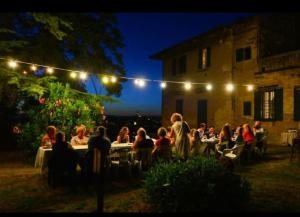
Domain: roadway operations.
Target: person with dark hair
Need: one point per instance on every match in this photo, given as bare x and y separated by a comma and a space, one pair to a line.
162, 147
100, 142
195, 142
123, 136
224, 137
63, 159
202, 130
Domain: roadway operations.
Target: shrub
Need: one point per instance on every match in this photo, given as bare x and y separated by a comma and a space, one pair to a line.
199, 184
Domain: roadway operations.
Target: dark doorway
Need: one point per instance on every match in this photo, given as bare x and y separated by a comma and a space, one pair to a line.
202, 111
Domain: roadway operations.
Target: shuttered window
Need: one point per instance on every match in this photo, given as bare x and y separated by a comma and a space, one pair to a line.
268, 104
247, 108
204, 58
242, 54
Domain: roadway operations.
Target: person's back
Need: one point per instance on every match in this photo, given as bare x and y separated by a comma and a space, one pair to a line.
181, 131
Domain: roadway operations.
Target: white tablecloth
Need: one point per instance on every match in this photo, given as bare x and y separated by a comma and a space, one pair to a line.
287, 137
43, 155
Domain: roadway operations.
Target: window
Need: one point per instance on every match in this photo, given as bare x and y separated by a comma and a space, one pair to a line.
204, 58
243, 54
297, 104
247, 108
174, 66
182, 64
268, 104
179, 106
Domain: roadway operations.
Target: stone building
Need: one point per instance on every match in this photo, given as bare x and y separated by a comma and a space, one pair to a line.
237, 54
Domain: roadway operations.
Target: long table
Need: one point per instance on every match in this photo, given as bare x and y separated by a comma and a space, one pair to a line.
43, 155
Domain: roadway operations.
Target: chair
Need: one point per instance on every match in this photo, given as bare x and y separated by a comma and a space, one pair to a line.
119, 160
221, 147
143, 158
234, 154
295, 148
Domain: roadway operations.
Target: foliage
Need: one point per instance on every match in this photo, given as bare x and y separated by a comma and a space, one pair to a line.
89, 41
62, 107
199, 184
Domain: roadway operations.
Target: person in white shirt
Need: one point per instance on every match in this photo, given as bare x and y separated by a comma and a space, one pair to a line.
80, 138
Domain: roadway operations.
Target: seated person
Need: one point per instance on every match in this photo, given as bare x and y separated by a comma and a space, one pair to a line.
211, 132
162, 147
102, 143
141, 128
248, 135
63, 158
224, 136
142, 142
202, 130
80, 138
195, 143
49, 138
123, 136
239, 135
259, 133
257, 128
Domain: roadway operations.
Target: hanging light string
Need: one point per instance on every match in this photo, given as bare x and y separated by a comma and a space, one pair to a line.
138, 81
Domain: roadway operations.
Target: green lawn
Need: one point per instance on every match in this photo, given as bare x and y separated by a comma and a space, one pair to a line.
275, 187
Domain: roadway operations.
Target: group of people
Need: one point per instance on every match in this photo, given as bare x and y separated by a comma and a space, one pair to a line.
178, 139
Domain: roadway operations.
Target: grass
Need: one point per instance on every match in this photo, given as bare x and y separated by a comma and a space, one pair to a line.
275, 188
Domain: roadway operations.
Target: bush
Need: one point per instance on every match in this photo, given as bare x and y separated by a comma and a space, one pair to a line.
199, 184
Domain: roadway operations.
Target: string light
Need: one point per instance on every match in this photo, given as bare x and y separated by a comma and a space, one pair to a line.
250, 87
83, 75
33, 68
73, 75
229, 87
187, 85
105, 79
163, 85
12, 64
113, 79
50, 70
209, 87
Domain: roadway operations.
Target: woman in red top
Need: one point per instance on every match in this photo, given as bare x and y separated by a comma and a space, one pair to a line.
248, 135
162, 145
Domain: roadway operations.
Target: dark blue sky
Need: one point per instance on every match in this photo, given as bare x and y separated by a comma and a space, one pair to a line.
145, 34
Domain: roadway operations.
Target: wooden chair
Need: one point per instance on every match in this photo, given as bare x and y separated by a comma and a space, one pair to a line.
143, 158
295, 148
234, 154
119, 161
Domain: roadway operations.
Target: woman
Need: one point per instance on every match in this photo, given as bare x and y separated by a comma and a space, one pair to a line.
123, 136
80, 138
143, 148
248, 135
162, 145
195, 143
225, 136
180, 133
257, 128
239, 135
49, 138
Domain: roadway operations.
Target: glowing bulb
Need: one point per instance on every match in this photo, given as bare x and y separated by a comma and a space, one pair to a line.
136, 81
50, 70
163, 85
24, 72
229, 87
33, 68
250, 87
208, 87
142, 83
105, 79
12, 64
73, 74
113, 79
83, 75
187, 86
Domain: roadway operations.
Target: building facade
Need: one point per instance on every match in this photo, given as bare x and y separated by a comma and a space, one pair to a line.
232, 54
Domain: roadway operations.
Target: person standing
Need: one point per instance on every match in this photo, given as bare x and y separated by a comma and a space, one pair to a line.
180, 133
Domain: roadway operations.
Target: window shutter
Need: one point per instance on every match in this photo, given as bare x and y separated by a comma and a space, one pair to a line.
257, 105
208, 57
200, 65
279, 104
239, 54
297, 104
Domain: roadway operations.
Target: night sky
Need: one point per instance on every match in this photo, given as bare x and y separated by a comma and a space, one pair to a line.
148, 33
